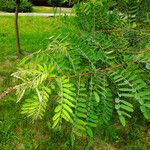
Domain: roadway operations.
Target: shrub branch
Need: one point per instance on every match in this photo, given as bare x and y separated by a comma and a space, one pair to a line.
11, 89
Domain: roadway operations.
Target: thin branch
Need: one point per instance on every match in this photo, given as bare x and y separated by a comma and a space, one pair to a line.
143, 51
6, 92
11, 89
98, 71
138, 51
130, 30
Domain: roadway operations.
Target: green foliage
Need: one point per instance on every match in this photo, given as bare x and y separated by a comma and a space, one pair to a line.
86, 76
9, 6
95, 15
66, 103
136, 10
82, 99
36, 105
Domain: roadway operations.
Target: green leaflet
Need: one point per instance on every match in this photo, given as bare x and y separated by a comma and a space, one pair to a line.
82, 104
69, 103
126, 108
67, 108
89, 132
124, 114
58, 108
20, 93
80, 127
81, 115
65, 81
91, 124
147, 105
122, 120
56, 123
126, 103
40, 67
97, 98
67, 85
69, 97
56, 116
81, 122
80, 109
126, 89
67, 91
93, 116
146, 111
145, 93
66, 116
52, 86
126, 95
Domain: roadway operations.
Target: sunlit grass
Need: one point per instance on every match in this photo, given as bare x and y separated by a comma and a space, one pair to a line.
34, 33
46, 9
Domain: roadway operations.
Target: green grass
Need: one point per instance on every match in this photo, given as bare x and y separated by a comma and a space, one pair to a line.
16, 132
44, 9
34, 34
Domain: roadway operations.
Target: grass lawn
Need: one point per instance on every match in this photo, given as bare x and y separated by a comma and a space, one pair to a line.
45, 9
17, 132
34, 34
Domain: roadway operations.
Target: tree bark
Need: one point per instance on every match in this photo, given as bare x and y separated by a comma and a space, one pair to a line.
17, 27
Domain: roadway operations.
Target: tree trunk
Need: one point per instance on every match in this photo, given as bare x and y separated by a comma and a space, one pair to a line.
17, 27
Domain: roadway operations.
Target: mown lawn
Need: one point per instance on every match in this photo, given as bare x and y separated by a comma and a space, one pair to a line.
45, 9
17, 132
34, 34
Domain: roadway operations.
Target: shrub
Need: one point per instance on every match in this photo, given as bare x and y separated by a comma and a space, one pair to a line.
9, 6
92, 78
88, 79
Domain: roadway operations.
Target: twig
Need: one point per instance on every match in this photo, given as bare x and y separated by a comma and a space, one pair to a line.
7, 91
138, 51
143, 51
98, 71
130, 30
